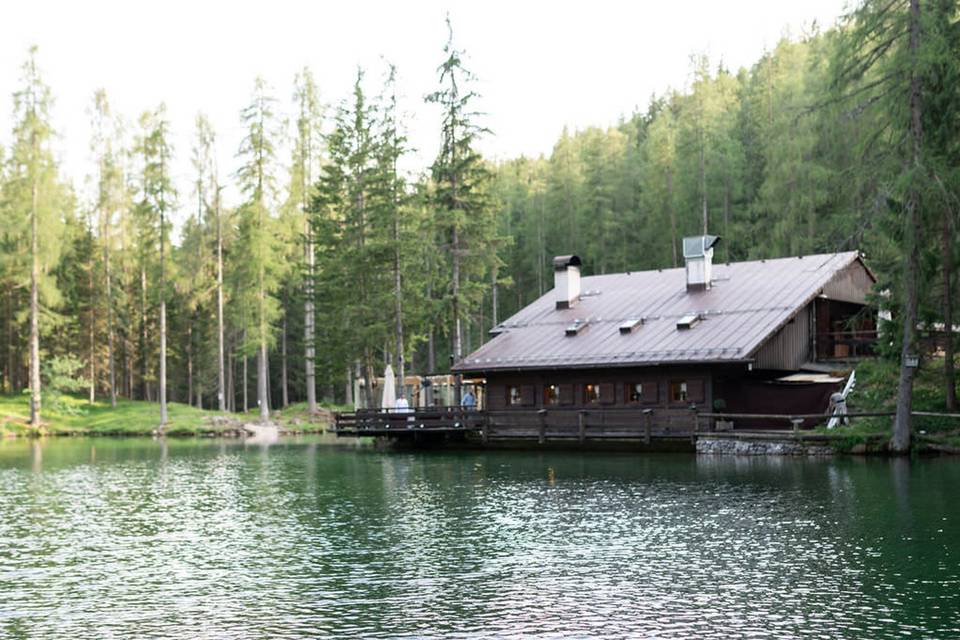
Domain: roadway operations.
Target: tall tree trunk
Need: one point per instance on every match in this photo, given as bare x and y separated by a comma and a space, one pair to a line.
92, 337
246, 399
11, 349
309, 316
903, 422
263, 388
949, 373
703, 179
163, 334
163, 293
284, 391
221, 400
398, 301
263, 391
143, 329
348, 388
34, 305
674, 240
109, 302
190, 361
494, 305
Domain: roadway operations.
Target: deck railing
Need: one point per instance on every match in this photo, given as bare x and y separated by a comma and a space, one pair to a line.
846, 344
580, 424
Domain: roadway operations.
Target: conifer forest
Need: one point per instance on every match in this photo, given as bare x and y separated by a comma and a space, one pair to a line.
334, 261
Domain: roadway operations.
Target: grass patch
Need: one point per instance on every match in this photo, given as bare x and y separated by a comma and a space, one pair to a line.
136, 418
130, 417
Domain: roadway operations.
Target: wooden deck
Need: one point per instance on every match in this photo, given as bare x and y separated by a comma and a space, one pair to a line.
571, 425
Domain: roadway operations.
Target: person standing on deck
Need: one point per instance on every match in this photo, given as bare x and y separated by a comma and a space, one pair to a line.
469, 401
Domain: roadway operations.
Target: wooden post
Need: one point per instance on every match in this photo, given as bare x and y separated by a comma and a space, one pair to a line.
796, 425
543, 426
485, 431
647, 419
582, 426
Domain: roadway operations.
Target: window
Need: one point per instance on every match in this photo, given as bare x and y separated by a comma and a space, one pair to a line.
551, 395
591, 394
521, 395
687, 390
678, 391
645, 392
602, 393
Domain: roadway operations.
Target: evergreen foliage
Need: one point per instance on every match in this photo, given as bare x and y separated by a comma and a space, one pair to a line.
340, 263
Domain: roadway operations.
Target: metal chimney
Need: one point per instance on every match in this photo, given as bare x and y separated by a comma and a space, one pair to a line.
566, 280
698, 256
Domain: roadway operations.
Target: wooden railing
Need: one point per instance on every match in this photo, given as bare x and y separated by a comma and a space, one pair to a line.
625, 423
849, 344
541, 424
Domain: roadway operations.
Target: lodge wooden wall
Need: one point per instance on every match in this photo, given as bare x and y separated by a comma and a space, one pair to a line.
614, 388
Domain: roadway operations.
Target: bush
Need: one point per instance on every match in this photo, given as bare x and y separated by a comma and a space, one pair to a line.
61, 376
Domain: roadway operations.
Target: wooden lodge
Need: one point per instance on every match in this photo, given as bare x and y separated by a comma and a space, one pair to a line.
663, 353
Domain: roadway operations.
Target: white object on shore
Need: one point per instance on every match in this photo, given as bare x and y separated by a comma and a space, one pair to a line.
389, 397
840, 404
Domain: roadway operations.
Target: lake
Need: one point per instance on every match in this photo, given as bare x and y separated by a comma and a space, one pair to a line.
110, 538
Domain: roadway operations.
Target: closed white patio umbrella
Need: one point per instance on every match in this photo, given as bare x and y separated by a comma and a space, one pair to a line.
389, 398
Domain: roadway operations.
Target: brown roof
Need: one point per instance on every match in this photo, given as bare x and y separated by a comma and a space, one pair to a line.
747, 304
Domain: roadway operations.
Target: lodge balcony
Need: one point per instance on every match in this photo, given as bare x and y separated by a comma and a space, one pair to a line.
846, 345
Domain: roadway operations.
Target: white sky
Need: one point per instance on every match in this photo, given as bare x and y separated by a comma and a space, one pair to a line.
541, 65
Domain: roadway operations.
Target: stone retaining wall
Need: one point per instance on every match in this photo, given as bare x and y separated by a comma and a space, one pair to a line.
744, 447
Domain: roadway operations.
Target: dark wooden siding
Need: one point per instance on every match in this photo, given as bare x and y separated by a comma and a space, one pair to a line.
613, 387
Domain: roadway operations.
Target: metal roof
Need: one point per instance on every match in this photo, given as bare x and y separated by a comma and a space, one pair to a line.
746, 305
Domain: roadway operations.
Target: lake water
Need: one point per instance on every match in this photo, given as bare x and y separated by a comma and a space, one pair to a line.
104, 538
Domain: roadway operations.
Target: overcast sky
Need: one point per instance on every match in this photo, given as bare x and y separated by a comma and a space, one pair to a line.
540, 65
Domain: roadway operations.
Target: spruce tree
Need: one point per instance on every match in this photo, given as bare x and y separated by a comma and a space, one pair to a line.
464, 210
257, 242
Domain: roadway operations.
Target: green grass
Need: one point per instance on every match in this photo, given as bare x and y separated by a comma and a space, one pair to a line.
130, 417
876, 391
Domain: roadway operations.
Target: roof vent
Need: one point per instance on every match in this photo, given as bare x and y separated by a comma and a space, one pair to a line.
630, 326
689, 321
575, 328
566, 280
698, 256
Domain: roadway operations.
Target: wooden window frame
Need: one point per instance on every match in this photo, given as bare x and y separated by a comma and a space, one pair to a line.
556, 395
648, 387
510, 388
685, 390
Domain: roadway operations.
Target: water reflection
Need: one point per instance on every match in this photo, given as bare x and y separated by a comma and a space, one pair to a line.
298, 539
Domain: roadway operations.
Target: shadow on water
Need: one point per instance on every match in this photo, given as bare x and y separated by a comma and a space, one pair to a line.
128, 537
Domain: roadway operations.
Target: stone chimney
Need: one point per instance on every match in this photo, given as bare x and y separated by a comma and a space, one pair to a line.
698, 256
566, 281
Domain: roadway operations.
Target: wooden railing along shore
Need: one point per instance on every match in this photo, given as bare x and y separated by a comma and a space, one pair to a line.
580, 425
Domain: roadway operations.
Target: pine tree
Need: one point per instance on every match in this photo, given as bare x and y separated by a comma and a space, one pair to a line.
465, 212
109, 199
158, 198
306, 157
258, 245
34, 200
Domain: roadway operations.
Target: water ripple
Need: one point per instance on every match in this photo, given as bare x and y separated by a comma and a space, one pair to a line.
203, 539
